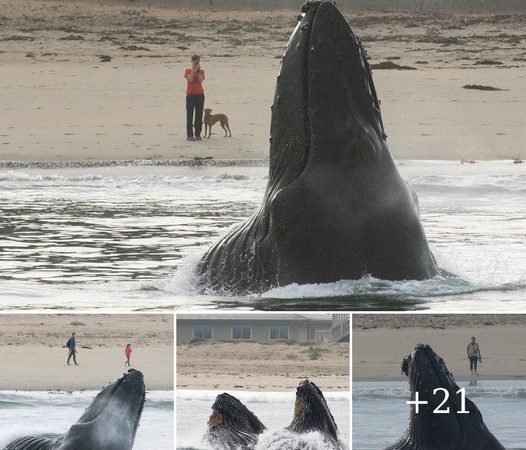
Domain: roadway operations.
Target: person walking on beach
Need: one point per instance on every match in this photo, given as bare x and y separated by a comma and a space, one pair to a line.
71, 345
474, 356
128, 352
195, 99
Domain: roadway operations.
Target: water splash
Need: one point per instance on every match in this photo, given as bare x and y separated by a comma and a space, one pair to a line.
287, 440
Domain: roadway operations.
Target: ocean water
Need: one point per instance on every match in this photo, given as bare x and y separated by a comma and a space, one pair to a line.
274, 409
37, 412
380, 414
130, 237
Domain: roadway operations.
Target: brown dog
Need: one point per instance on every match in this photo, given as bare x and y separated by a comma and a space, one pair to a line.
211, 119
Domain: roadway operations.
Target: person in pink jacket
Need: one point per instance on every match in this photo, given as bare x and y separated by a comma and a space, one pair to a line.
127, 352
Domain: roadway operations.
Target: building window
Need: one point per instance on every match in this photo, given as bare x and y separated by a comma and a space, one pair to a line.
279, 333
241, 333
202, 332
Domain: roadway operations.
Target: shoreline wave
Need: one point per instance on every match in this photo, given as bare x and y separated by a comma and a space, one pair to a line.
201, 162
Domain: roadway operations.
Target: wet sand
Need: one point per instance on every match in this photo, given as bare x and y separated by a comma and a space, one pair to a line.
380, 342
33, 352
262, 367
85, 81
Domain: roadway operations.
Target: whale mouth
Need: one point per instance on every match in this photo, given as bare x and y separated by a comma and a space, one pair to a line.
227, 409
311, 412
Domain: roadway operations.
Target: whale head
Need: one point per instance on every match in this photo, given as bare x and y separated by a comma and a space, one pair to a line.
338, 207
231, 425
110, 422
311, 412
335, 206
460, 428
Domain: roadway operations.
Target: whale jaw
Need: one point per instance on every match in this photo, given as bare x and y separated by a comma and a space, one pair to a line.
311, 412
231, 425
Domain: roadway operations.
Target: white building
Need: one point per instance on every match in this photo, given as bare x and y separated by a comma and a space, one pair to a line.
254, 327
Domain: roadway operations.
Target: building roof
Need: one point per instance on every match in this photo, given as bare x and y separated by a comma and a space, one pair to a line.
310, 319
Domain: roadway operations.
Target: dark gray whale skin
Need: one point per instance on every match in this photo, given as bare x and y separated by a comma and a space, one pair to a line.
335, 206
311, 413
109, 423
427, 431
232, 426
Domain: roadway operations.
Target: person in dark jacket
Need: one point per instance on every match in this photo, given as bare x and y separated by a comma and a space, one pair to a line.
71, 345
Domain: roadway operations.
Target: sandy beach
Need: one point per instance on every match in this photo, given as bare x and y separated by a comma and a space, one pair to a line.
380, 342
262, 367
87, 81
33, 352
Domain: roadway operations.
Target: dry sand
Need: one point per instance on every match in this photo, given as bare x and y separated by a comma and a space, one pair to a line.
33, 353
381, 341
60, 102
262, 367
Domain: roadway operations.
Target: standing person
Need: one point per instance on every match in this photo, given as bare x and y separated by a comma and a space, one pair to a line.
474, 356
195, 99
127, 352
71, 345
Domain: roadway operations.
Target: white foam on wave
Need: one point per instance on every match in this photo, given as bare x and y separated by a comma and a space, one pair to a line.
287, 440
485, 176
184, 282
511, 389
227, 176
24, 177
256, 396
69, 398
445, 173
368, 285
134, 174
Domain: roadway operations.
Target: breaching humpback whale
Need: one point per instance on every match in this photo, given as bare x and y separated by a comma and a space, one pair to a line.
109, 423
335, 206
431, 431
233, 426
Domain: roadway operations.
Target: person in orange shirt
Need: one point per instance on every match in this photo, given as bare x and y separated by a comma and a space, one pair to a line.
195, 99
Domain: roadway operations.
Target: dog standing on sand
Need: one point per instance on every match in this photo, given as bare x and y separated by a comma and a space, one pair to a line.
211, 119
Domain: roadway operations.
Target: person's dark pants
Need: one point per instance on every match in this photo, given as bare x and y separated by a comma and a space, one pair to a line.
473, 363
194, 104
127, 363
72, 353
